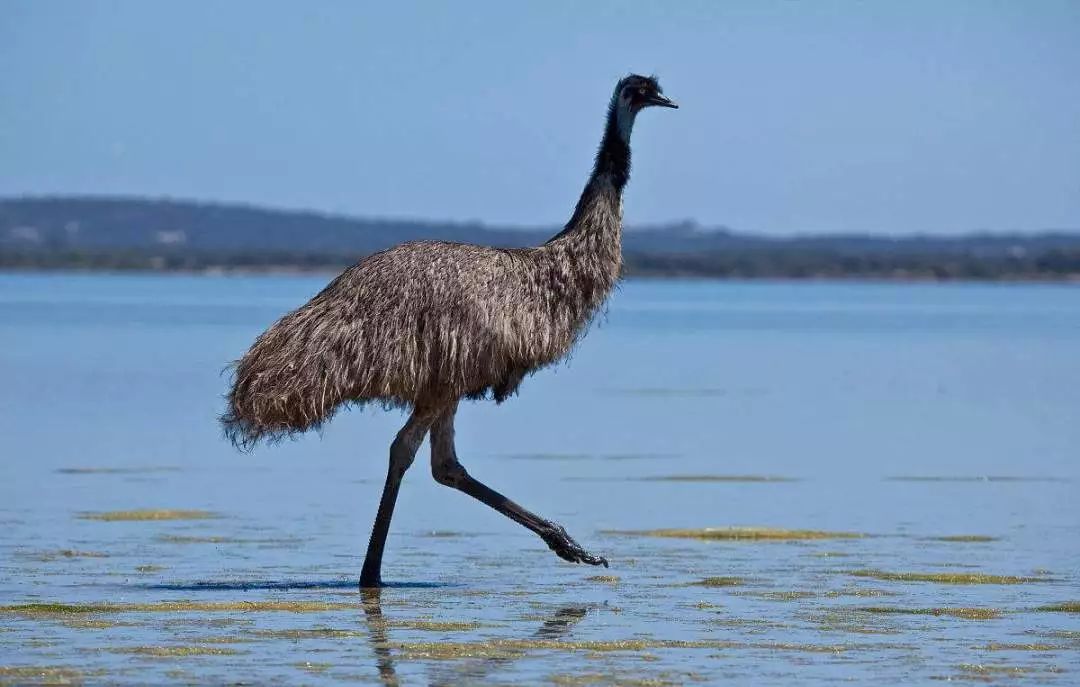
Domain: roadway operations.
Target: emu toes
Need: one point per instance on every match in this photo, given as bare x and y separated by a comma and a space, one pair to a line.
567, 549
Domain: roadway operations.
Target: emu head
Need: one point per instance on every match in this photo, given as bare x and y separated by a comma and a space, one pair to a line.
632, 95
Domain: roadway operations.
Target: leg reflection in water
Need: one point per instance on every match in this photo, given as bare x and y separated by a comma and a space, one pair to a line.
557, 627
376, 625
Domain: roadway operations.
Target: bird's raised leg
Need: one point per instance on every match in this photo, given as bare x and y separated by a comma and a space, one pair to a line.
402, 453
448, 471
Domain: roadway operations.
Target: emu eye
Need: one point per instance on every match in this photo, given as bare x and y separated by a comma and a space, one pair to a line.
641, 91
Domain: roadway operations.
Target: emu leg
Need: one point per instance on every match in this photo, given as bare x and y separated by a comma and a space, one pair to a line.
402, 453
448, 471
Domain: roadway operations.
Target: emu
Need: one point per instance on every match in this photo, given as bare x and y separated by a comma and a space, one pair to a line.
427, 323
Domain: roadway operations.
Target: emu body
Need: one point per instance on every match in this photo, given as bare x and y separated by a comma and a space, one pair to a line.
427, 323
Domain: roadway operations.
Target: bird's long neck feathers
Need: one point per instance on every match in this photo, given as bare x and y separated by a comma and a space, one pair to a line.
599, 209
613, 156
584, 260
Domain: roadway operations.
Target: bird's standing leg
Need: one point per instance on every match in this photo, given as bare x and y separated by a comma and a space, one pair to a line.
448, 471
402, 453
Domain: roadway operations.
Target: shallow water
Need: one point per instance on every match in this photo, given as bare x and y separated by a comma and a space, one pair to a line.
939, 422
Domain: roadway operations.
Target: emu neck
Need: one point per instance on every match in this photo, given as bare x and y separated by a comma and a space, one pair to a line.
587, 254
613, 157
598, 214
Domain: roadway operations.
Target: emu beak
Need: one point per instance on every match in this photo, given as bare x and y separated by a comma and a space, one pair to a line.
662, 101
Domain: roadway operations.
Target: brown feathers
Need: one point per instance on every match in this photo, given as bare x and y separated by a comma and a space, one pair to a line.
426, 323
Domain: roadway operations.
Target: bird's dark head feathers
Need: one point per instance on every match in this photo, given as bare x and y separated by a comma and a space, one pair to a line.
639, 92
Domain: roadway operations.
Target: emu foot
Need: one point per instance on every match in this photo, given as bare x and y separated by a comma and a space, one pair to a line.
566, 548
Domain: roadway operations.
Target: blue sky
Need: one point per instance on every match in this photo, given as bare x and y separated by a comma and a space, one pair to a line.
885, 117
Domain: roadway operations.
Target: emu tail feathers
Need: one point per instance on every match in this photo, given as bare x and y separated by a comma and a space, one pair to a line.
284, 385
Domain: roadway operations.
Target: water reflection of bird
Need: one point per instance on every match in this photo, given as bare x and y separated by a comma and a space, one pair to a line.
424, 324
555, 628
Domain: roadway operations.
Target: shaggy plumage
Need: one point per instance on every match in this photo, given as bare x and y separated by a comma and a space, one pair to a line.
425, 323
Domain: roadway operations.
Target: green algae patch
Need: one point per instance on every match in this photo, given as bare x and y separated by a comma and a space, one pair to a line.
784, 596
306, 633
148, 515
47, 675
859, 593
585, 679
68, 554
175, 651
990, 669
223, 639
77, 623
715, 478
1065, 607
952, 612
187, 539
149, 568
1035, 646
853, 622
435, 625
1056, 634
603, 579
969, 538
812, 648
945, 578
216, 539
52, 610
314, 668
515, 648
738, 534
717, 582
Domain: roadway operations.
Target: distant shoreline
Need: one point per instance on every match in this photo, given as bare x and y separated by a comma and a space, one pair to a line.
330, 272
125, 234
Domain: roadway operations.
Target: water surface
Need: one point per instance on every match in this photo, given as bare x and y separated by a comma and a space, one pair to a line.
938, 422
